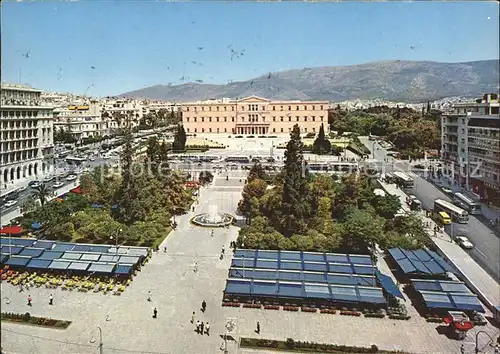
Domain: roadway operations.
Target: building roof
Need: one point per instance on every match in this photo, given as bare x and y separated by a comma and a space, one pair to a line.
421, 261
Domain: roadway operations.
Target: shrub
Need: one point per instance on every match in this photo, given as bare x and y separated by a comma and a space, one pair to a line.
26, 317
290, 343
373, 348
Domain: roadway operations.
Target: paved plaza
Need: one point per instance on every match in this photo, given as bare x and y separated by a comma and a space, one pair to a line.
128, 327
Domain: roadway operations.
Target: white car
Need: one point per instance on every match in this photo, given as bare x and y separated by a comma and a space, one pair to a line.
464, 242
57, 185
71, 178
10, 203
106, 157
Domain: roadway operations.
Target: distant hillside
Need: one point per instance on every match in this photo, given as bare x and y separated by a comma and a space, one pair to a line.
397, 80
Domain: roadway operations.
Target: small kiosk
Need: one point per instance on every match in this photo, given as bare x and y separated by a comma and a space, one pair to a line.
459, 324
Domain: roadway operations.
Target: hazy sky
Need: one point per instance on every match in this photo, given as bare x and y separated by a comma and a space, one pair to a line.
110, 47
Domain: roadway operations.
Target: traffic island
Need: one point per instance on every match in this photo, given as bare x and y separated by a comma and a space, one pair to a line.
27, 319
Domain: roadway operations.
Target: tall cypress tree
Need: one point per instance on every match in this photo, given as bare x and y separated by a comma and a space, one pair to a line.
179, 143
321, 145
294, 205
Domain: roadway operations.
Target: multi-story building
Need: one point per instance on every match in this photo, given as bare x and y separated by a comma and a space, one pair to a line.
253, 116
117, 111
82, 121
471, 146
26, 137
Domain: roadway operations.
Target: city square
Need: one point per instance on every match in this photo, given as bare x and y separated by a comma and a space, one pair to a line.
246, 177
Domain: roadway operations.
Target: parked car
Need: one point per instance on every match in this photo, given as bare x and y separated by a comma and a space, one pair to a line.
71, 177
57, 185
33, 182
10, 203
36, 184
464, 242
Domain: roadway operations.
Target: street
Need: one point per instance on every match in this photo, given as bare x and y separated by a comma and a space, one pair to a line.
486, 241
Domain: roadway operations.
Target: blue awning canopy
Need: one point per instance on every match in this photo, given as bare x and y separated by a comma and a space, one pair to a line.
389, 285
450, 301
420, 261
445, 286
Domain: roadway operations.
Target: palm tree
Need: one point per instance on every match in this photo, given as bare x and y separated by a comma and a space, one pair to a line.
42, 192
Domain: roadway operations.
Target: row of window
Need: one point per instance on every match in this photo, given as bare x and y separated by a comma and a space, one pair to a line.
12, 146
255, 118
233, 130
251, 107
19, 156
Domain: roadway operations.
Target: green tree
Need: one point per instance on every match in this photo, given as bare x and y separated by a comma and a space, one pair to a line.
387, 206
179, 143
89, 187
362, 230
42, 192
252, 190
321, 145
256, 172
205, 177
294, 207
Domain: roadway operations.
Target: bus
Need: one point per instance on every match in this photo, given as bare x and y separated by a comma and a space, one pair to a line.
318, 167
75, 160
443, 218
240, 159
349, 167
403, 180
457, 214
468, 203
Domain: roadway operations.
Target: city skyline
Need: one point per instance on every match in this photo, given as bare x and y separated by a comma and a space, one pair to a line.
213, 43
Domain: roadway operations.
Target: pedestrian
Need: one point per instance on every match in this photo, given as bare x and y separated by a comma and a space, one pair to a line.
203, 306
223, 249
258, 328
462, 349
201, 328
155, 313
165, 249
198, 323
212, 233
207, 329
51, 300
192, 317
149, 295
29, 300
195, 268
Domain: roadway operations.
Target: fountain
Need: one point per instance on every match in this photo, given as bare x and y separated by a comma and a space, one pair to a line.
213, 218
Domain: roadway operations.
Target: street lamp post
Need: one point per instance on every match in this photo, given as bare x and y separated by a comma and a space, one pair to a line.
100, 340
477, 335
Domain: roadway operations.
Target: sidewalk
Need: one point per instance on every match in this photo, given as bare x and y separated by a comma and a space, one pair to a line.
487, 289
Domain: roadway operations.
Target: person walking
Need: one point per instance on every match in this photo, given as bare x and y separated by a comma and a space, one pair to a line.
195, 268
203, 306
155, 313
212, 233
149, 295
207, 329
258, 328
462, 349
51, 300
201, 328
165, 249
192, 317
29, 300
223, 249
198, 326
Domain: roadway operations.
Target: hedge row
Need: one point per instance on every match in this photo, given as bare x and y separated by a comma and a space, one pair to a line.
38, 321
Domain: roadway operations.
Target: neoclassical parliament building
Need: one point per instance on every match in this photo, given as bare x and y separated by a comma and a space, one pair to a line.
253, 116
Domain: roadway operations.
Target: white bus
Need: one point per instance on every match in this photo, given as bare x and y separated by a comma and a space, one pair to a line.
240, 159
457, 214
468, 203
403, 180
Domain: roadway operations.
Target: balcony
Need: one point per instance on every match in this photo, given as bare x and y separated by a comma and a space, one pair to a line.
10, 102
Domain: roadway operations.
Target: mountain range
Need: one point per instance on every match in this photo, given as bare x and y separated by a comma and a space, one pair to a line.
394, 80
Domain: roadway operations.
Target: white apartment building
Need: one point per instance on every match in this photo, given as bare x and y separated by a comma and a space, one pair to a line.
81, 120
115, 111
26, 136
471, 146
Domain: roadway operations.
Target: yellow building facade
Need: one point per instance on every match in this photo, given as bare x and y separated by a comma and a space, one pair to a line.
253, 116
